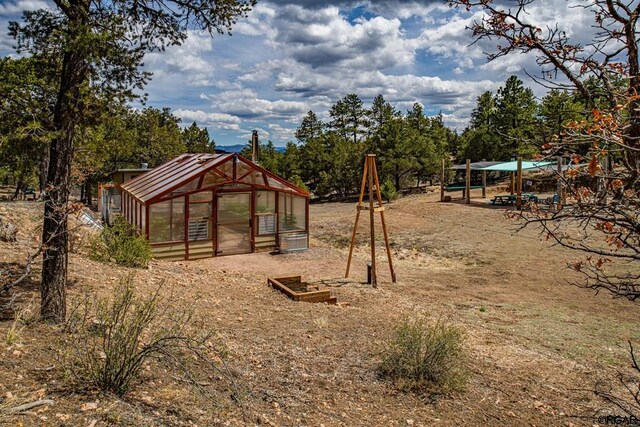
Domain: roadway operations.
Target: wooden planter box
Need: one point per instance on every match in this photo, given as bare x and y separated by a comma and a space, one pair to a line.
297, 290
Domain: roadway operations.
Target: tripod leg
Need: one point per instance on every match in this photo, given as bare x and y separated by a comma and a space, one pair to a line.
355, 226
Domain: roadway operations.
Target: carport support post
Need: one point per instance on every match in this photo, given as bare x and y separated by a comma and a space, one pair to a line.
442, 164
468, 184
519, 189
560, 186
513, 183
484, 183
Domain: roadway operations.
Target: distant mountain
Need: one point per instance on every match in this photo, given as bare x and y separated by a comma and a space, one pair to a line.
238, 147
230, 148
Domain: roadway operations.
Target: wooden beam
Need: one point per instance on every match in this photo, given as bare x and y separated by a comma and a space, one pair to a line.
186, 225
519, 189
468, 183
371, 161
560, 186
512, 185
442, 180
384, 225
358, 209
484, 183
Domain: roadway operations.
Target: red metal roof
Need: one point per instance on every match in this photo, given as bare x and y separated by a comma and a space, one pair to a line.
189, 168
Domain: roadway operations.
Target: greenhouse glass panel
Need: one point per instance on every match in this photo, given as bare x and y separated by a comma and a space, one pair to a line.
233, 207
265, 201
254, 177
212, 178
203, 196
242, 168
227, 168
277, 184
160, 222
292, 213
189, 186
144, 219
177, 219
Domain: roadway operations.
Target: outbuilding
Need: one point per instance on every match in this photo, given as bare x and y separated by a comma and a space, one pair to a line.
204, 205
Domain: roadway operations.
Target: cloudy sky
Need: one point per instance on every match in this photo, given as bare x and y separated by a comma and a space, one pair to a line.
289, 57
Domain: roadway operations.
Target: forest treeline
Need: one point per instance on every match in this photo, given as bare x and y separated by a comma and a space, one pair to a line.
409, 146
327, 157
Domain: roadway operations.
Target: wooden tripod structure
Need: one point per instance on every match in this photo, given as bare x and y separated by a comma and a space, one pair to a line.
370, 175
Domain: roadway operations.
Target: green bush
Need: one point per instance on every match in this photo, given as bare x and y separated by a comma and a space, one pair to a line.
388, 191
114, 338
122, 244
425, 357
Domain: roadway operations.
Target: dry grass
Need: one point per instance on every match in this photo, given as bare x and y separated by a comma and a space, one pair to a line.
536, 345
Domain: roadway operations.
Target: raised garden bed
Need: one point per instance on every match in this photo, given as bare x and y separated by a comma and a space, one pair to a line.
297, 290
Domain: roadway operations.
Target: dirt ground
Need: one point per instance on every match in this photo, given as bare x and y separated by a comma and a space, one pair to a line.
537, 344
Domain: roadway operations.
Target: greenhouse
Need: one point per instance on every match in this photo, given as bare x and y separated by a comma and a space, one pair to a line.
204, 205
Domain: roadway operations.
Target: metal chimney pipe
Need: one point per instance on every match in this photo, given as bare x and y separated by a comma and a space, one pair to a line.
254, 146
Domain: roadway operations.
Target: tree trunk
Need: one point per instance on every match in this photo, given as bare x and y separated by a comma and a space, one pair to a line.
632, 156
54, 231
87, 193
396, 177
44, 168
19, 186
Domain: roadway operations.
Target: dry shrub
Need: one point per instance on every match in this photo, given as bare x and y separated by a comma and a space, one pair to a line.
425, 356
113, 339
122, 244
81, 238
624, 395
8, 232
24, 316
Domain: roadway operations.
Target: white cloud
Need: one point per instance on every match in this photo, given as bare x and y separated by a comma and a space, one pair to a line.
456, 122
280, 133
247, 104
188, 61
217, 120
16, 7
325, 38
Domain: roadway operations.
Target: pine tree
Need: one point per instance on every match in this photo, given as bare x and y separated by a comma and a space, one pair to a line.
100, 44
197, 140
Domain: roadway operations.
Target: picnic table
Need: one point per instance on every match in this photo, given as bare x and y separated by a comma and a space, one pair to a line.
510, 199
26, 192
460, 187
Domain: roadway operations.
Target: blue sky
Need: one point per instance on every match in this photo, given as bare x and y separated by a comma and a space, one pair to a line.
290, 57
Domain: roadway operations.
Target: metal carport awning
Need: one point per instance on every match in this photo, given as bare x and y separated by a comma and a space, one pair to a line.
504, 166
